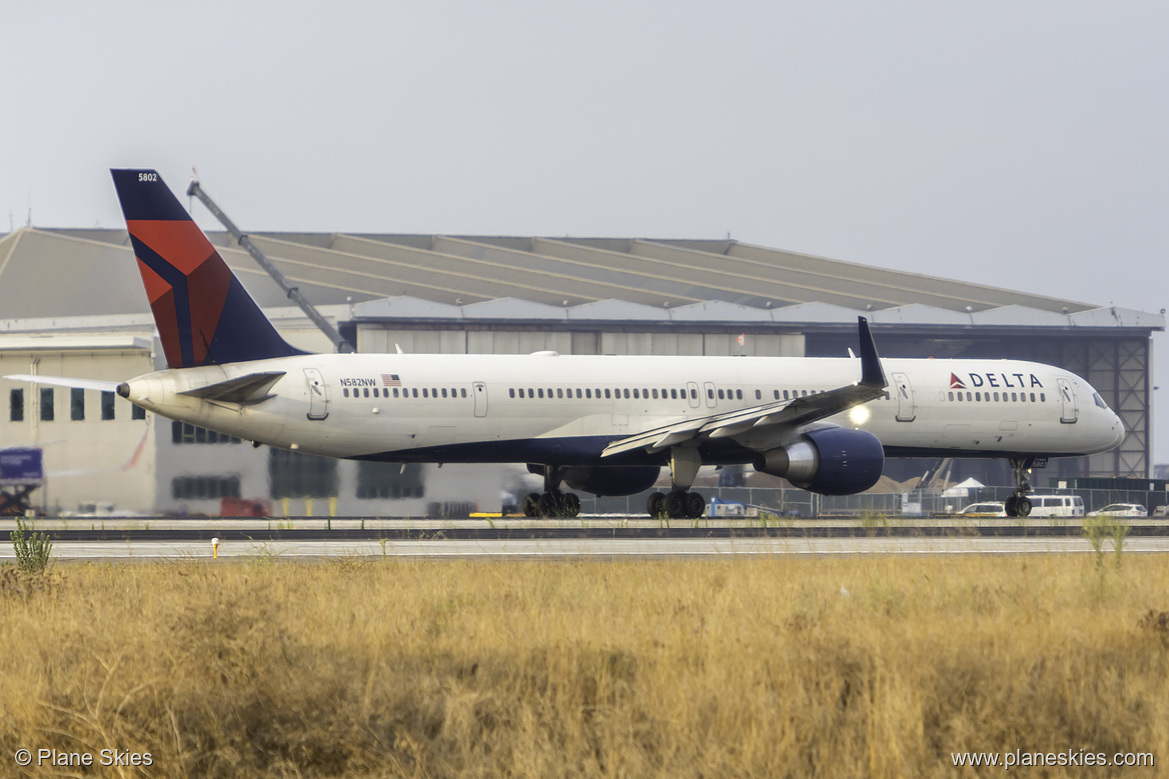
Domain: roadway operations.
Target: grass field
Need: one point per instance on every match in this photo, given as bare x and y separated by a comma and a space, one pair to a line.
857, 666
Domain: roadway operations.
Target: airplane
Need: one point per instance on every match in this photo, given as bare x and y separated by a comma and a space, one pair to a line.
599, 424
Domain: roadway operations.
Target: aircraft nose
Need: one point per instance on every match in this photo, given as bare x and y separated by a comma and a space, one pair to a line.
1116, 429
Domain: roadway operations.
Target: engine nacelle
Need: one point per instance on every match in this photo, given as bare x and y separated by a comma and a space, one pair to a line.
611, 481
832, 461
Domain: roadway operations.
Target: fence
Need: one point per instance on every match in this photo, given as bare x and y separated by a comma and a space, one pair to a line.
798, 503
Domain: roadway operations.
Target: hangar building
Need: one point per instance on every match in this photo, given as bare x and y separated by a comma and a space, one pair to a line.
71, 304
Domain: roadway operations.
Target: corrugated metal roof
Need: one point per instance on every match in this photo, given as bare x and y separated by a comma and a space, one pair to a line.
52, 272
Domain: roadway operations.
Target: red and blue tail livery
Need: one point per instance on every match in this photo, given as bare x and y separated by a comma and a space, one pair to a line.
203, 313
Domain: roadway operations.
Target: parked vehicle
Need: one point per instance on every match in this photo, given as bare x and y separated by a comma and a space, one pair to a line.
1121, 510
992, 508
1056, 506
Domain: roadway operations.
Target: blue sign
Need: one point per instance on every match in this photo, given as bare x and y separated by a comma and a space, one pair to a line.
21, 466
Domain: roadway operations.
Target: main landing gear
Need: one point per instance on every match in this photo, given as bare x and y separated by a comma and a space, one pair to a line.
552, 502
1018, 504
676, 504
679, 503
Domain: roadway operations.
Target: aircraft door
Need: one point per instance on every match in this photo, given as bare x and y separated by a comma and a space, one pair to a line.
692, 394
709, 389
1070, 411
480, 390
318, 394
906, 407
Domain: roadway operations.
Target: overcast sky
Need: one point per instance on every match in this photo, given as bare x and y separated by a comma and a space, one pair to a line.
1017, 144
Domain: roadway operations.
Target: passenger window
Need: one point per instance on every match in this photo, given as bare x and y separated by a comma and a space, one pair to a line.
739, 394
720, 395
978, 396
511, 392
1014, 397
694, 394
588, 393
541, 391
626, 394
606, 392
578, 392
345, 392
674, 394
444, 392
951, 396
758, 394
710, 394
1032, 397
559, 392
366, 392
424, 392
635, 392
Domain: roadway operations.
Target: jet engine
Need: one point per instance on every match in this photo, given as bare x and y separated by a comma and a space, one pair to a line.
611, 481
830, 461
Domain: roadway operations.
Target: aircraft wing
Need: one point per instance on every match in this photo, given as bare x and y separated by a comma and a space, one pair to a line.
62, 381
792, 413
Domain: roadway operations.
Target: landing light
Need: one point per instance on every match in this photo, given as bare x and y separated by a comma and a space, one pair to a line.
859, 415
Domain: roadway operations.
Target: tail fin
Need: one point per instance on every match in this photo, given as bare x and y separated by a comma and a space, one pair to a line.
203, 313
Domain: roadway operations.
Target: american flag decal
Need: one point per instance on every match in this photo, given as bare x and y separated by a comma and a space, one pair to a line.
391, 380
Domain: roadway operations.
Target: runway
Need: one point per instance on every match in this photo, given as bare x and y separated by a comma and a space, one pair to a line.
591, 538
577, 548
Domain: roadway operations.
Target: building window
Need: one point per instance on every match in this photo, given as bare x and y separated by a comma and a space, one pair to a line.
297, 475
16, 405
137, 412
77, 404
107, 406
204, 487
389, 481
183, 433
47, 412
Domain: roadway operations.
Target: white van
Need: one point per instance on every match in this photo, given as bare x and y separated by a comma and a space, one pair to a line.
1056, 506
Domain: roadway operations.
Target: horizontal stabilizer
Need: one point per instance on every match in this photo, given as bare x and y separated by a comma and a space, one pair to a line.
252, 388
63, 381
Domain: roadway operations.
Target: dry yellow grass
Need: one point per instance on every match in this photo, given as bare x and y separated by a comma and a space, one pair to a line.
738, 667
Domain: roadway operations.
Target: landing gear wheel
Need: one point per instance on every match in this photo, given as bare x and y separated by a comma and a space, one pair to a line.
675, 504
531, 505
695, 505
570, 504
656, 505
550, 504
1017, 505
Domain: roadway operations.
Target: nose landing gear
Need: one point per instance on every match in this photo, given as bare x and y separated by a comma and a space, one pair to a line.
1018, 504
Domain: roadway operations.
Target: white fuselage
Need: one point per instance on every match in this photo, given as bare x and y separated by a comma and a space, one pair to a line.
558, 408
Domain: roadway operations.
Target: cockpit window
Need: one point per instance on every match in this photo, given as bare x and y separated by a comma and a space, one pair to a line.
1099, 400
